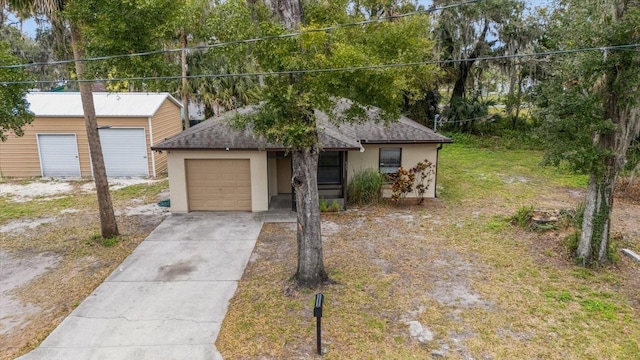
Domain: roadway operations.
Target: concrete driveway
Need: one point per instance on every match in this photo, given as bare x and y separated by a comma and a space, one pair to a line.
167, 300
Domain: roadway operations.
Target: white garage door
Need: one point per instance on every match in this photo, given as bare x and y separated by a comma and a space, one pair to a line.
218, 185
124, 152
59, 155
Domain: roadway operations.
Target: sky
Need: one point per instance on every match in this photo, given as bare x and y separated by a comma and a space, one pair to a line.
28, 26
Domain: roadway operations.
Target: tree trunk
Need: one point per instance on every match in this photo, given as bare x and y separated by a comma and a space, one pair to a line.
594, 239
518, 103
185, 89
511, 94
310, 271
460, 87
109, 227
289, 12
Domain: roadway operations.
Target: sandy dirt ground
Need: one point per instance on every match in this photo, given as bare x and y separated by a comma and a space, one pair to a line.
50, 263
409, 267
39, 287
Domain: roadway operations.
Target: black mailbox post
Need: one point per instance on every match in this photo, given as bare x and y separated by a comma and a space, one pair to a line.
317, 313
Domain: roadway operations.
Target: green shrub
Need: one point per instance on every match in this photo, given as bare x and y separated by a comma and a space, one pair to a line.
365, 187
335, 206
109, 242
523, 217
579, 216
571, 241
323, 205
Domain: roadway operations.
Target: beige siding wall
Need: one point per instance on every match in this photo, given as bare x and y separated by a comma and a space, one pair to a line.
164, 124
19, 156
176, 160
411, 155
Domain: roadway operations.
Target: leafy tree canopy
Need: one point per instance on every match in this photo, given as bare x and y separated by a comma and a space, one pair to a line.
590, 105
572, 100
113, 27
14, 108
290, 99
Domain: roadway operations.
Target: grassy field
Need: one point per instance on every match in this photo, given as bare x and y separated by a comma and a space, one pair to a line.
451, 278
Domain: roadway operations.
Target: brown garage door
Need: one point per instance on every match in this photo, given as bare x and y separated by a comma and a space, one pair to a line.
218, 185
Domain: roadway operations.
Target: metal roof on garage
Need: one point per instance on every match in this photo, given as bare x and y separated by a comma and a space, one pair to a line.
56, 104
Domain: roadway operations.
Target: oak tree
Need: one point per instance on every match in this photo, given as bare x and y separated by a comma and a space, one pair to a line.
292, 99
590, 104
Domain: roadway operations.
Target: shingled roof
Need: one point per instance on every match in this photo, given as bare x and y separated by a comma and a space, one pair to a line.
217, 134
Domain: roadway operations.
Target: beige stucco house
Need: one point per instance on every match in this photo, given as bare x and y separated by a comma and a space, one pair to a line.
55, 143
213, 166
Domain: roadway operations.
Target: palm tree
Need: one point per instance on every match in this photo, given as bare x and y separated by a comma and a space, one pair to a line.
226, 92
189, 27
52, 9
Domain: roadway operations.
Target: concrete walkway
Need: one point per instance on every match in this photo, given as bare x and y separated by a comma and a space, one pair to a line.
167, 300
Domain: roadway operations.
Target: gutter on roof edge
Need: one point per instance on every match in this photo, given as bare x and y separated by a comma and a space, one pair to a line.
449, 141
162, 148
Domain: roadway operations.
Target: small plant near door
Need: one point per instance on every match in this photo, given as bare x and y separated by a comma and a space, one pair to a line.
323, 205
333, 207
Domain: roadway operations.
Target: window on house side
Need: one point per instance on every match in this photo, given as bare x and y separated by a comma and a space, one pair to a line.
390, 160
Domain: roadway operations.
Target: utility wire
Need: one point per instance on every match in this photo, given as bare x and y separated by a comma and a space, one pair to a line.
446, 121
327, 70
246, 41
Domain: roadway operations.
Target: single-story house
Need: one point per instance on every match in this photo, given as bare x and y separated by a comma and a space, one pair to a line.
214, 166
55, 143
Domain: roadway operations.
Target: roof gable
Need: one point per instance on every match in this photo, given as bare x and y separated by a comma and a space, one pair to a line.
69, 104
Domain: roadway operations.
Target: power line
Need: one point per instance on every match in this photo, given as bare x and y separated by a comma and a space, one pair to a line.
327, 70
462, 121
246, 41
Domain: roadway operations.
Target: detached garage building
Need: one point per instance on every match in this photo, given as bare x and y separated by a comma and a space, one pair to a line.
55, 143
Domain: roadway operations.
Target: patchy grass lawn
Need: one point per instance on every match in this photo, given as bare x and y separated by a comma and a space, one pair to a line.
52, 255
450, 278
